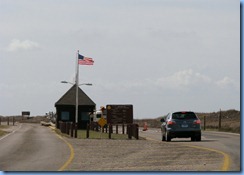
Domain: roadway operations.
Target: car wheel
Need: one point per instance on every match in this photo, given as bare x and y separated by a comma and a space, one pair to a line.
193, 138
198, 138
167, 137
163, 138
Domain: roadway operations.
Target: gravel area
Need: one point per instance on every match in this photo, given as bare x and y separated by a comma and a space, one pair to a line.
139, 155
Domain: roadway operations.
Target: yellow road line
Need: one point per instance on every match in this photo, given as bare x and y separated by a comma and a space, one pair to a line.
71, 157
226, 163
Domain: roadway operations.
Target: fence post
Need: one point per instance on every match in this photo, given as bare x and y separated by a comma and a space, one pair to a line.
67, 127
87, 130
0, 120
129, 131
72, 130
204, 123
13, 120
136, 131
59, 123
110, 131
62, 127
8, 120
76, 127
123, 128
219, 119
117, 129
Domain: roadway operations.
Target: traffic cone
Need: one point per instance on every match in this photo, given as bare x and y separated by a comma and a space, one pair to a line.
145, 126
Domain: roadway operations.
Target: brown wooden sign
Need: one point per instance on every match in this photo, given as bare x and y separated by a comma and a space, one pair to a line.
119, 114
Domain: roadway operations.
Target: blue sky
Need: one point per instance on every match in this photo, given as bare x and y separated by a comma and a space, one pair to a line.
159, 55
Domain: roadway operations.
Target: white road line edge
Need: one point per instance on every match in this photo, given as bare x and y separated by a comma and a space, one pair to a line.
10, 133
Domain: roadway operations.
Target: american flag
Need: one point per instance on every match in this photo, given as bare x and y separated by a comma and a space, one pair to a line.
85, 60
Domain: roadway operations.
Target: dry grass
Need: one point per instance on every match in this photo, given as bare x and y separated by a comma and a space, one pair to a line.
2, 132
230, 121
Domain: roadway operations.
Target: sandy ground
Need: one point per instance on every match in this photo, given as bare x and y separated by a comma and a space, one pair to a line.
137, 155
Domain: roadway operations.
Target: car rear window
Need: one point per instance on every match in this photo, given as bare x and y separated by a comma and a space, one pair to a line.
184, 115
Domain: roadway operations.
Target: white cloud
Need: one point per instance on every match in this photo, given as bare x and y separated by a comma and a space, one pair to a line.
22, 45
177, 50
182, 78
227, 82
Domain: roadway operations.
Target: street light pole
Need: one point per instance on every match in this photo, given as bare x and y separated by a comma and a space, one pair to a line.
88, 84
76, 96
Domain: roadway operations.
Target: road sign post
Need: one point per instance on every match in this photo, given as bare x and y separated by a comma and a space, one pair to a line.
102, 122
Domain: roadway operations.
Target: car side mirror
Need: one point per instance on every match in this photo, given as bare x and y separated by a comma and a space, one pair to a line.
162, 120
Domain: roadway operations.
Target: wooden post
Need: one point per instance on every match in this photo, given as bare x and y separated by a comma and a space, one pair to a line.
8, 120
0, 120
72, 130
123, 128
61, 127
117, 129
204, 123
13, 120
110, 131
67, 127
136, 131
129, 127
87, 130
219, 119
76, 127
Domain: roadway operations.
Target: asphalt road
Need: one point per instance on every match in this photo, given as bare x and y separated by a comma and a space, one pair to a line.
31, 147
228, 143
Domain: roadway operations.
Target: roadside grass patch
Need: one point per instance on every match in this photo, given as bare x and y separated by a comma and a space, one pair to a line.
2, 132
81, 134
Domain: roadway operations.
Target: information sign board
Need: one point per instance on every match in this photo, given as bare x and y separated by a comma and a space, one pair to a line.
25, 113
119, 114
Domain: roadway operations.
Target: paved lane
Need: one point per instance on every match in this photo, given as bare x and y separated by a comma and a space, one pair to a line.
228, 143
32, 147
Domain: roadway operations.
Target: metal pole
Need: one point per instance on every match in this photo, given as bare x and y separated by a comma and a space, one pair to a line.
76, 96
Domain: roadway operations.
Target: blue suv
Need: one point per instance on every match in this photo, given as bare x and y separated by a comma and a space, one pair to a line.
183, 124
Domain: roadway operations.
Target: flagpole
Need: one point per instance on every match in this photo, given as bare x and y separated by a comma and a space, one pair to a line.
76, 96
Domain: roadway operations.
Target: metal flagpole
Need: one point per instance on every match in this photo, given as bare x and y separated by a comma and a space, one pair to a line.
76, 96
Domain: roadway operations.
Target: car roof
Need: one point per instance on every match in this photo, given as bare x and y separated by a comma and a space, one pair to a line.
183, 111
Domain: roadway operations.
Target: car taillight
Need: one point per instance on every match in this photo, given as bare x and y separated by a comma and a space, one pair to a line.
198, 122
171, 123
